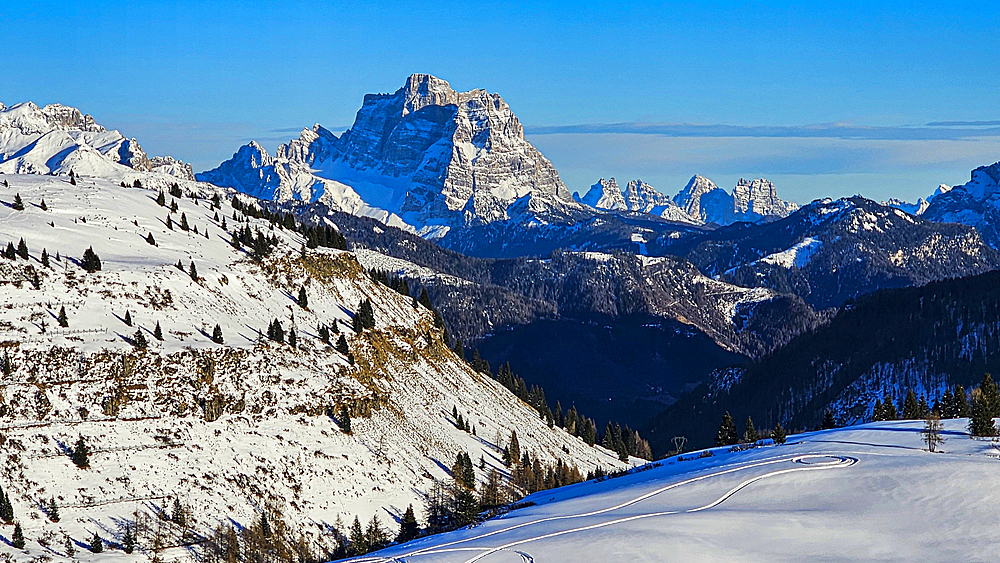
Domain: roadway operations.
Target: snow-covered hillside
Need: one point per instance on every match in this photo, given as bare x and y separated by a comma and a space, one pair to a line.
865, 493
225, 428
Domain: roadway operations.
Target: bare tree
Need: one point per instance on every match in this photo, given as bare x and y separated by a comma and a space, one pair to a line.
932, 432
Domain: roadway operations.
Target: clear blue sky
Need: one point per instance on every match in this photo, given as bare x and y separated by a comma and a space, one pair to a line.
196, 80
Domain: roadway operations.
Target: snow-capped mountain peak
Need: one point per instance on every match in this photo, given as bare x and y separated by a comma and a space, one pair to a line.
58, 139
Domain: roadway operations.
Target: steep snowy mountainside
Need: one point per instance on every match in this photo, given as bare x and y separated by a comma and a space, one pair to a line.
751, 201
926, 339
975, 203
832, 250
225, 428
605, 194
861, 493
58, 139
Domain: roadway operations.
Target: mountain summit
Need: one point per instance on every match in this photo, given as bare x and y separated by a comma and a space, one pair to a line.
434, 156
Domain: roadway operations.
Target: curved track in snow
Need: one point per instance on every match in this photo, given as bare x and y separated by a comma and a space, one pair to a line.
805, 462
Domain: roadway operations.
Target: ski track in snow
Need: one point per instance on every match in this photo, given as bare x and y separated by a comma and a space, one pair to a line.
805, 462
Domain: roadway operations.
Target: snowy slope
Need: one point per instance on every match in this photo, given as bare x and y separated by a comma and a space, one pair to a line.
865, 493
150, 416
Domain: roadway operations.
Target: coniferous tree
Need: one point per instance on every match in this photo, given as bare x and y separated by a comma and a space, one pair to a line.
291, 337
358, 545
217, 335
342, 345
324, 334
170, 223
778, 434
70, 549
18, 205
53, 510
10, 253
828, 420
81, 454
17, 538
727, 432
45, 258
911, 409
514, 448
6, 508
303, 299
90, 261
960, 402
160, 199
140, 340
22, 249
150, 239
889, 407
128, 538
72, 179
43, 206
980, 420
184, 223
750, 436
193, 271
991, 395
6, 365
425, 299
947, 404
96, 543
408, 527
63, 320
344, 420
128, 318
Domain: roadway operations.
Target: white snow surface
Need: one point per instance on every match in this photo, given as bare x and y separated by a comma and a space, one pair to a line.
144, 414
863, 493
798, 255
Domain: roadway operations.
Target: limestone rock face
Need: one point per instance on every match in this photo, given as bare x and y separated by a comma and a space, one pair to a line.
757, 199
752, 201
605, 194
975, 203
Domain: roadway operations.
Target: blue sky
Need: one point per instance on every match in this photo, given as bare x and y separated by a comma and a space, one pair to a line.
824, 100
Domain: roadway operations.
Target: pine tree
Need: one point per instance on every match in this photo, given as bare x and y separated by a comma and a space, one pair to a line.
140, 340
96, 543
160, 199
217, 335
344, 420
911, 409
408, 527
22, 249
981, 421
342, 345
778, 434
81, 454
828, 420
10, 253
70, 549
750, 436
45, 258
193, 271
291, 337
991, 395
947, 404
18, 204
303, 299
514, 448
184, 223
63, 320
72, 179
53, 510
376, 536
90, 261
324, 334
889, 407
17, 538
157, 332
425, 299
128, 318
43, 206
6, 508
150, 239
960, 403
177, 513
128, 538
358, 544
727, 432
6, 365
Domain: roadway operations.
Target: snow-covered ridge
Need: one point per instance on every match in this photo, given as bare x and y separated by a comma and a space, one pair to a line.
226, 427
58, 139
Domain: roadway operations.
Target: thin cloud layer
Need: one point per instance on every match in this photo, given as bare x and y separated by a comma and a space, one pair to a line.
947, 130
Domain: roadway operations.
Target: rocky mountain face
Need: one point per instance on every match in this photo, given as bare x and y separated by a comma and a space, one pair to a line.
923, 339
833, 250
637, 197
436, 157
975, 203
58, 139
751, 201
